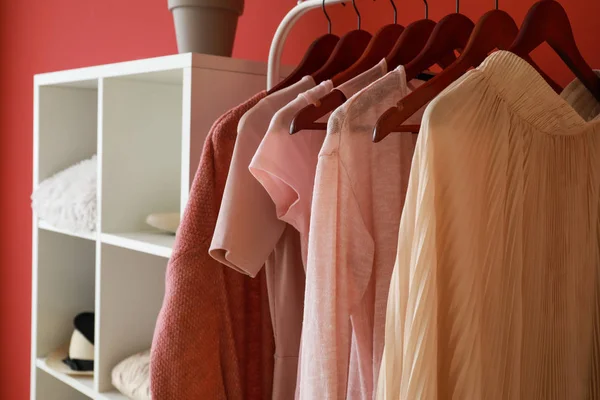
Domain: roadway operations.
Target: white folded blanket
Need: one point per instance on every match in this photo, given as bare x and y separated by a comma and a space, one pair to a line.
68, 199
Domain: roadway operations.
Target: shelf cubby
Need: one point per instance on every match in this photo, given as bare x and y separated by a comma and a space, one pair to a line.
64, 286
51, 386
83, 384
132, 286
141, 151
67, 129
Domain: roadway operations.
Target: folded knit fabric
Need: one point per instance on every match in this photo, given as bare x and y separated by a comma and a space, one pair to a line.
132, 376
213, 338
67, 200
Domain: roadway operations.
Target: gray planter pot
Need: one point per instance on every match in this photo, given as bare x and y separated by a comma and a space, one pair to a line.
206, 26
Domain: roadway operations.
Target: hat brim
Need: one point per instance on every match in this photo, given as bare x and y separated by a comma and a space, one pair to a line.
55, 359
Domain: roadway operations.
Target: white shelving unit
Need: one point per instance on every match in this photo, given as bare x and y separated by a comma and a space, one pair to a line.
147, 121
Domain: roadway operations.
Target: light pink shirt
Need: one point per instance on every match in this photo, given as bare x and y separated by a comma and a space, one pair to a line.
358, 196
285, 164
248, 235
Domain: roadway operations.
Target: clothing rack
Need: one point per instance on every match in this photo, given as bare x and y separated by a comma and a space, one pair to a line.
282, 32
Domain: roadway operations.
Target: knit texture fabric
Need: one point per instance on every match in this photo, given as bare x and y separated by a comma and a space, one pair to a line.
213, 338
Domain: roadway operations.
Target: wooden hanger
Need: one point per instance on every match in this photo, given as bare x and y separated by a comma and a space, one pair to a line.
413, 41
380, 46
450, 34
464, 35
413, 35
547, 21
346, 52
495, 30
317, 55
409, 44
307, 117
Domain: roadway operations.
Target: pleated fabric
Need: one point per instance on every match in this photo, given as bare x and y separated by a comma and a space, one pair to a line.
494, 294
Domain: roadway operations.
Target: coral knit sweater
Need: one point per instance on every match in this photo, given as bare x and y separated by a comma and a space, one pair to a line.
214, 337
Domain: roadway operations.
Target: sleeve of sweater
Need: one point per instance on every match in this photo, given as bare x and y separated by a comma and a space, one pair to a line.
179, 350
213, 337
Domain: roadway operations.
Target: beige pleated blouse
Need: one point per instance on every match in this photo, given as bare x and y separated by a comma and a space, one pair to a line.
494, 294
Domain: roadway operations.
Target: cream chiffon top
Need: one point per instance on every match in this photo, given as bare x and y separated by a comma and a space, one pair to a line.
494, 293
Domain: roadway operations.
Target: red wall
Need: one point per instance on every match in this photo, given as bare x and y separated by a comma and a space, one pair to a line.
45, 35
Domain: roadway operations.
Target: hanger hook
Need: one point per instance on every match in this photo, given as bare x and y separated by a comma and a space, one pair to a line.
395, 11
457, 6
496, 4
326, 16
426, 9
357, 12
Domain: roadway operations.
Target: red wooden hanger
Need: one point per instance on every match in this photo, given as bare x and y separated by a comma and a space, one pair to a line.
450, 34
346, 52
380, 46
409, 44
317, 55
307, 117
547, 21
495, 30
412, 42
464, 31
